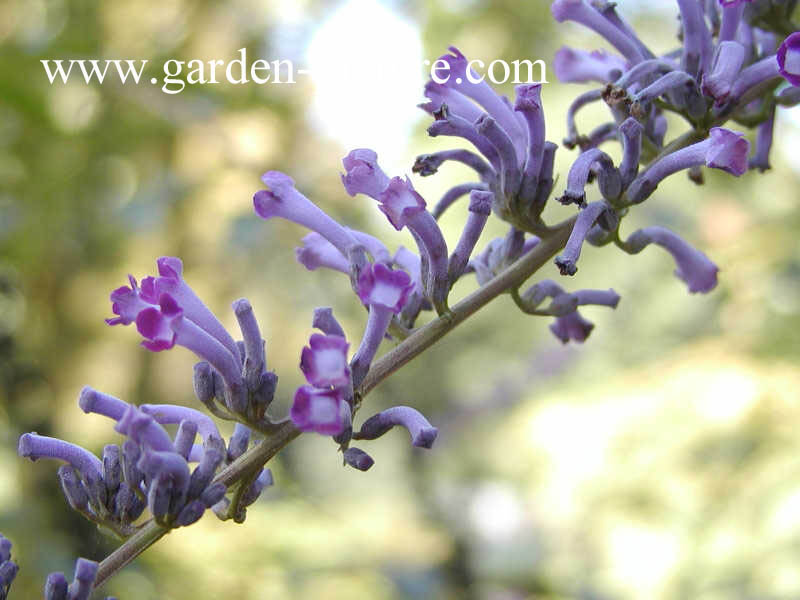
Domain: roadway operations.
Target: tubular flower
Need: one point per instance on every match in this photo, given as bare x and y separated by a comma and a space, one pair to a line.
693, 267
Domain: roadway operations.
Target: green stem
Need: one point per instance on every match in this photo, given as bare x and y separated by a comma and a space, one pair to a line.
420, 340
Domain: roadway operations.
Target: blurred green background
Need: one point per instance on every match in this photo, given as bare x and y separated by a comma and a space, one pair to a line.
658, 460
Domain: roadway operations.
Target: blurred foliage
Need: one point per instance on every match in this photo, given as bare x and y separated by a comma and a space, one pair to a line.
657, 461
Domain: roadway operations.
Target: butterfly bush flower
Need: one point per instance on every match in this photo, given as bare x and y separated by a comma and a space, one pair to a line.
167, 312
57, 588
323, 411
729, 66
151, 469
8, 568
324, 361
404, 207
578, 66
723, 149
569, 324
567, 260
357, 458
423, 434
789, 59
511, 138
283, 200
572, 327
694, 267
624, 40
385, 292
324, 405
727, 63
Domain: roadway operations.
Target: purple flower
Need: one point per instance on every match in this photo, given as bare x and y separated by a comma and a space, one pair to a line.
92, 401
580, 12
8, 568
458, 80
34, 446
428, 164
760, 158
383, 287
727, 150
168, 312
694, 267
480, 207
528, 103
385, 292
572, 327
326, 322
578, 66
362, 174
143, 429
731, 17
357, 458
423, 434
696, 38
592, 161
400, 202
324, 361
283, 200
723, 149
128, 303
317, 252
324, 411
727, 63
789, 58
751, 78
411, 264
173, 414
567, 260
404, 207
56, 587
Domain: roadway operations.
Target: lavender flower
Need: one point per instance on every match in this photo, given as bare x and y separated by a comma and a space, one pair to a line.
324, 361
326, 322
423, 434
569, 324
694, 267
404, 207
567, 260
358, 459
324, 411
128, 303
57, 588
727, 63
572, 327
696, 38
723, 149
580, 12
167, 312
8, 568
480, 207
34, 446
283, 200
386, 293
578, 66
731, 16
760, 158
789, 58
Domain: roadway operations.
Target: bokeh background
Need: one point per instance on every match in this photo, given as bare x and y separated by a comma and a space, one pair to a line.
659, 460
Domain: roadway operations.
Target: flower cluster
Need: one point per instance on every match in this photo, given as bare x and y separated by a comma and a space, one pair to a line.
57, 588
150, 469
8, 568
730, 65
232, 381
